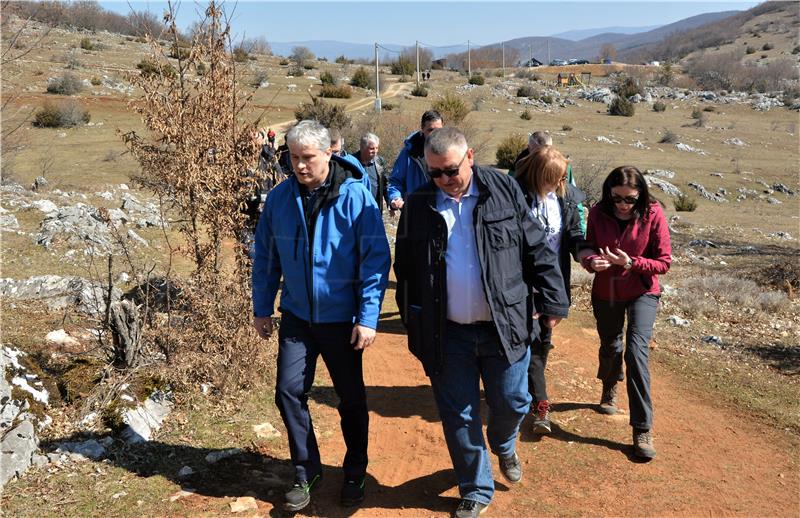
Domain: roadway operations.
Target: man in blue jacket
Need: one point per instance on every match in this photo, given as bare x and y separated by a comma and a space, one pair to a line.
321, 232
410, 170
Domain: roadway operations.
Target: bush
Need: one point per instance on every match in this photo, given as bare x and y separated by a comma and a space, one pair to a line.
95, 81
659, 106
308, 66
342, 60
525, 115
327, 78
621, 106
477, 79
547, 99
669, 138
360, 78
388, 106
336, 92
240, 55
566, 127
696, 113
796, 50
283, 62
67, 84
768, 46
260, 78
627, 87
750, 50
329, 115
151, 68
452, 108
509, 148
86, 44
65, 115
402, 67
178, 52
419, 91
684, 203
527, 91
296, 71
201, 68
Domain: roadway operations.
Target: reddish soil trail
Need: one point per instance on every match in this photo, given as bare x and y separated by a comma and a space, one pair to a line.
710, 461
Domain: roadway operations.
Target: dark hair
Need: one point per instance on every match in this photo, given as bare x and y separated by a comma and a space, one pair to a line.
628, 176
430, 116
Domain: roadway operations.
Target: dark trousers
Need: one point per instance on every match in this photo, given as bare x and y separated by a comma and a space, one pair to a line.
540, 350
299, 345
610, 317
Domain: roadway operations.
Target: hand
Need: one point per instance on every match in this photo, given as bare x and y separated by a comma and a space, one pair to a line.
396, 203
599, 264
263, 325
552, 322
362, 336
618, 257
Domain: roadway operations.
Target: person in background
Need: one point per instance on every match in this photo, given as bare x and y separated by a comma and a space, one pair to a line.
375, 167
467, 257
552, 201
630, 248
410, 169
321, 242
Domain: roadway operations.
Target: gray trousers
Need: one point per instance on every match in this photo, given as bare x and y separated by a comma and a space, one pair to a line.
610, 317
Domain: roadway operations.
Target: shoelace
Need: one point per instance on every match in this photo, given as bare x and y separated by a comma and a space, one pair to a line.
467, 505
543, 409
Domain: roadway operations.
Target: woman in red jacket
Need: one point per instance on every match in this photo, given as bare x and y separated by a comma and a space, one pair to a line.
631, 243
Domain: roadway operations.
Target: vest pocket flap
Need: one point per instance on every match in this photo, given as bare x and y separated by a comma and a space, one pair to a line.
498, 215
515, 294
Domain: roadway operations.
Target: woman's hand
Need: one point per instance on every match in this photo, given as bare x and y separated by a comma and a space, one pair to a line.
598, 264
618, 257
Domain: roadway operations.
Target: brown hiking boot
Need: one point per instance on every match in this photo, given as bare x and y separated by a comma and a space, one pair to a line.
608, 400
643, 444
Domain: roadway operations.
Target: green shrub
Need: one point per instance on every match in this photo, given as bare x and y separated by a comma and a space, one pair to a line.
200, 68
295, 71
329, 115
283, 62
67, 84
86, 44
566, 127
402, 67
327, 78
684, 203
360, 78
547, 99
452, 108
627, 87
240, 55
621, 106
95, 81
750, 50
696, 113
659, 106
768, 46
527, 91
336, 92
419, 91
509, 148
525, 115
308, 66
477, 79
796, 50
65, 115
388, 106
151, 68
342, 60
710, 109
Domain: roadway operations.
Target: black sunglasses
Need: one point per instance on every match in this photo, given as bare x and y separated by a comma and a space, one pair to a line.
450, 171
628, 200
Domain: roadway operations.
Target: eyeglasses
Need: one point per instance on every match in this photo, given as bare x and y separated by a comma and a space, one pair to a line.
450, 171
627, 200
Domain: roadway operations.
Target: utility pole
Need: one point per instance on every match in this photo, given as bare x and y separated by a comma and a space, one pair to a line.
548, 51
503, 47
469, 61
417, 63
530, 55
377, 82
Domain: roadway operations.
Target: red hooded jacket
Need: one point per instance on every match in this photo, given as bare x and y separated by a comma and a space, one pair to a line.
646, 241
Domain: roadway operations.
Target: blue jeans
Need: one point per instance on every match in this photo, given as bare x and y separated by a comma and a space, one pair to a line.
473, 353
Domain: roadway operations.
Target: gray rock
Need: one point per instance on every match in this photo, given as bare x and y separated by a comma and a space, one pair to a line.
216, 456
185, 471
38, 183
16, 451
704, 243
773, 201
668, 290
8, 221
39, 460
60, 292
636, 98
133, 236
781, 235
90, 449
715, 197
665, 186
662, 173
713, 340
45, 206
779, 187
675, 320
56, 458
146, 419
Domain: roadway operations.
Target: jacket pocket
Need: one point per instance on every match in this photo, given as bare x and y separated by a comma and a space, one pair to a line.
515, 299
502, 229
414, 328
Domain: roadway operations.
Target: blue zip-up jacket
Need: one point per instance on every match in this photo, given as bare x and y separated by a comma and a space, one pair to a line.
410, 170
343, 274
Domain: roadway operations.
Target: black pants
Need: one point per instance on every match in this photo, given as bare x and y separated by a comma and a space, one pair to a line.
610, 316
540, 350
299, 346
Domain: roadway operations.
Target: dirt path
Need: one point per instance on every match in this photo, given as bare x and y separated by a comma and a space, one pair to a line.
710, 460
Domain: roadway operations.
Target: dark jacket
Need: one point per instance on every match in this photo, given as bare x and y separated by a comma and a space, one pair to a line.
513, 255
379, 183
572, 238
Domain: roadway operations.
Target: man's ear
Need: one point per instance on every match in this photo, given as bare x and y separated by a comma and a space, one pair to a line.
471, 156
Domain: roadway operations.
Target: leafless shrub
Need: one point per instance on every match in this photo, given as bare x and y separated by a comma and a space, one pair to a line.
393, 128
327, 114
718, 290
669, 137
590, 175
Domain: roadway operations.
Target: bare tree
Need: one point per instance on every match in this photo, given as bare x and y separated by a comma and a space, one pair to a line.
607, 52
301, 55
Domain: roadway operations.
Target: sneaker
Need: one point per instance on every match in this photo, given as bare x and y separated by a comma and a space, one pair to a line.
299, 495
608, 400
511, 468
469, 509
352, 491
541, 424
643, 444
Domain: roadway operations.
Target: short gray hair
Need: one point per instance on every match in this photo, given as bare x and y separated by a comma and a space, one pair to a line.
370, 137
540, 138
443, 139
309, 133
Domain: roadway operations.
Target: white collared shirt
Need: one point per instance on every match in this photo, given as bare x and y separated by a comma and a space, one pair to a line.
466, 299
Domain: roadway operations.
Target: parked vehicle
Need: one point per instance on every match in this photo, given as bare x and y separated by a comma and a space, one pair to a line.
576, 61
558, 63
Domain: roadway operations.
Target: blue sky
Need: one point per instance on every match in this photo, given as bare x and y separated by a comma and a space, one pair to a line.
433, 23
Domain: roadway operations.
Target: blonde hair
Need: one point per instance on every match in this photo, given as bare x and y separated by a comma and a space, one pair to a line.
545, 166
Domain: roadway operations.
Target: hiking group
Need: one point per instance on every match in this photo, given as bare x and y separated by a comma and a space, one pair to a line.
482, 262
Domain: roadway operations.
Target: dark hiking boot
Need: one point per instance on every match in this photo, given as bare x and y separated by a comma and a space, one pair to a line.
608, 400
511, 468
352, 491
469, 509
541, 424
299, 495
643, 444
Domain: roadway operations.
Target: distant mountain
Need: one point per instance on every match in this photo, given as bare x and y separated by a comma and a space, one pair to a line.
588, 33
